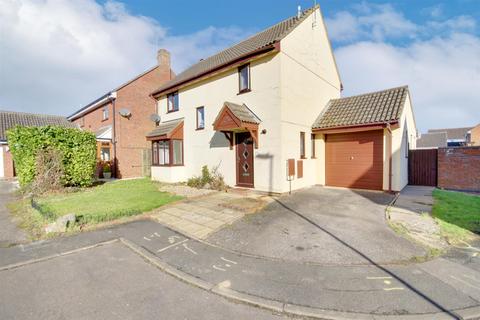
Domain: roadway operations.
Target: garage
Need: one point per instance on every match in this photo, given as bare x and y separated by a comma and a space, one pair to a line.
354, 160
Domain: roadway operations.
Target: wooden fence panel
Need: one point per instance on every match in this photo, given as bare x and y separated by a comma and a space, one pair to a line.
422, 167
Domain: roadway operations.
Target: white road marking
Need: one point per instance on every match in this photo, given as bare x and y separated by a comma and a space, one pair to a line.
155, 233
378, 278
471, 278
189, 249
474, 254
387, 281
147, 239
218, 268
172, 245
172, 239
226, 260
465, 282
391, 289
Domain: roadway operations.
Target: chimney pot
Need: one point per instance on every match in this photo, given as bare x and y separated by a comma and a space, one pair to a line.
163, 57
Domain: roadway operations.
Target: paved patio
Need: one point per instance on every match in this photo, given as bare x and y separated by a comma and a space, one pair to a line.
201, 216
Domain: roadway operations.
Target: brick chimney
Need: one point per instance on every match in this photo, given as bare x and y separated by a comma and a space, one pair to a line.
163, 58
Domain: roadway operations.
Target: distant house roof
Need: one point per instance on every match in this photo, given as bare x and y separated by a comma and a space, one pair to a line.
367, 109
165, 129
432, 140
263, 40
453, 133
10, 119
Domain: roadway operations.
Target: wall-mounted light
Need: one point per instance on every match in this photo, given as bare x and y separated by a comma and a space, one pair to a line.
264, 131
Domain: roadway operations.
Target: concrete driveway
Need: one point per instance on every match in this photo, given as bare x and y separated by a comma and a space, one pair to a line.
321, 225
9, 232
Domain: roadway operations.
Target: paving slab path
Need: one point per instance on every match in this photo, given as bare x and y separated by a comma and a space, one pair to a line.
9, 232
432, 290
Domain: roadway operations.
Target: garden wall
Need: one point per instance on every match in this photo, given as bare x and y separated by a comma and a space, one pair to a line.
459, 168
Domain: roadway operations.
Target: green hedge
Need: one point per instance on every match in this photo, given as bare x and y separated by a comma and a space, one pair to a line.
78, 149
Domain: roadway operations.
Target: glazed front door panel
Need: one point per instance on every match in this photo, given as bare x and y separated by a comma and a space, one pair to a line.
244, 159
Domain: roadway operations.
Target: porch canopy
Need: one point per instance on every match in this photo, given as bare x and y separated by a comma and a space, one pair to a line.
236, 118
104, 134
167, 130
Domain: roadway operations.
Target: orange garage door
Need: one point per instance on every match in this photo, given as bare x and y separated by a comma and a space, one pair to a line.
355, 160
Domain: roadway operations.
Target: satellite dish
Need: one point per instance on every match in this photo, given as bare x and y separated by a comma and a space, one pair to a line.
124, 112
155, 117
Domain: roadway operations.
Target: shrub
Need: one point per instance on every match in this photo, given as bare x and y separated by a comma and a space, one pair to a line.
107, 168
78, 151
210, 179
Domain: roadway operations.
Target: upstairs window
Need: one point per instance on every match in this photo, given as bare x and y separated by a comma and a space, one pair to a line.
302, 145
200, 118
105, 113
172, 101
244, 78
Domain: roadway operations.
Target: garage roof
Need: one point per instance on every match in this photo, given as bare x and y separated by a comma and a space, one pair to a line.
366, 109
10, 119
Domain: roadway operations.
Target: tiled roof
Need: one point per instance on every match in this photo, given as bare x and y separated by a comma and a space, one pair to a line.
165, 128
371, 108
432, 140
261, 40
453, 133
242, 112
10, 119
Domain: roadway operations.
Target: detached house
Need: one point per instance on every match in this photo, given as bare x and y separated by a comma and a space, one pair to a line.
268, 113
121, 118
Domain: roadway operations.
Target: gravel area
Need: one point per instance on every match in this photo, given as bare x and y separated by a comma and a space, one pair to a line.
185, 191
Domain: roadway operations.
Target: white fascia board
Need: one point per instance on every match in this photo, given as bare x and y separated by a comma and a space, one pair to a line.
111, 96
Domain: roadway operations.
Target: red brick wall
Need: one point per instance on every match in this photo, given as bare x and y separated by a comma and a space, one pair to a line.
459, 168
130, 132
9, 171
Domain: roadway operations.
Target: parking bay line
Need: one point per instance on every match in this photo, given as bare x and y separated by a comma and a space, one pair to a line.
172, 245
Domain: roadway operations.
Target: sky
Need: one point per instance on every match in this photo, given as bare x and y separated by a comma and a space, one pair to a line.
58, 55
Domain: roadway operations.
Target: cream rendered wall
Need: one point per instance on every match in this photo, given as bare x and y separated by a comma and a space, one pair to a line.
2, 172
169, 174
207, 147
309, 79
407, 129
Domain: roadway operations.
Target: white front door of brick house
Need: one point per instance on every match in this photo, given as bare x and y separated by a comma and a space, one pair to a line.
2, 174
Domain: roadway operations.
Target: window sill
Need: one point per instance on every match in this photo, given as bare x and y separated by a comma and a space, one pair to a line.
313, 158
172, 111
200, 129
244, 91
303, 157
167, 165
103, 120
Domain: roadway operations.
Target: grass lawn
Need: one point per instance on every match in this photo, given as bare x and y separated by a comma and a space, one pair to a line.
457, 213
101, 203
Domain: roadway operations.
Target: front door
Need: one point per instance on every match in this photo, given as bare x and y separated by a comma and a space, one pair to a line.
244, 155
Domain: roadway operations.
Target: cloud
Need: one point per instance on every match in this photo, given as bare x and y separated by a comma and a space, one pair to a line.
370, 21
57, 55
443, 74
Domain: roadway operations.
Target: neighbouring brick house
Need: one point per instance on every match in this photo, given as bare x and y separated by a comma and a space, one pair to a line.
10, 119
475, 135
121, 118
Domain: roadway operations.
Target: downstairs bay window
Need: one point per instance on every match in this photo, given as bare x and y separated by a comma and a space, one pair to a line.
167, 152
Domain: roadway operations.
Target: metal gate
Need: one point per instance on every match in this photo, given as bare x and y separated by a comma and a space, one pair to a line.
422, 167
